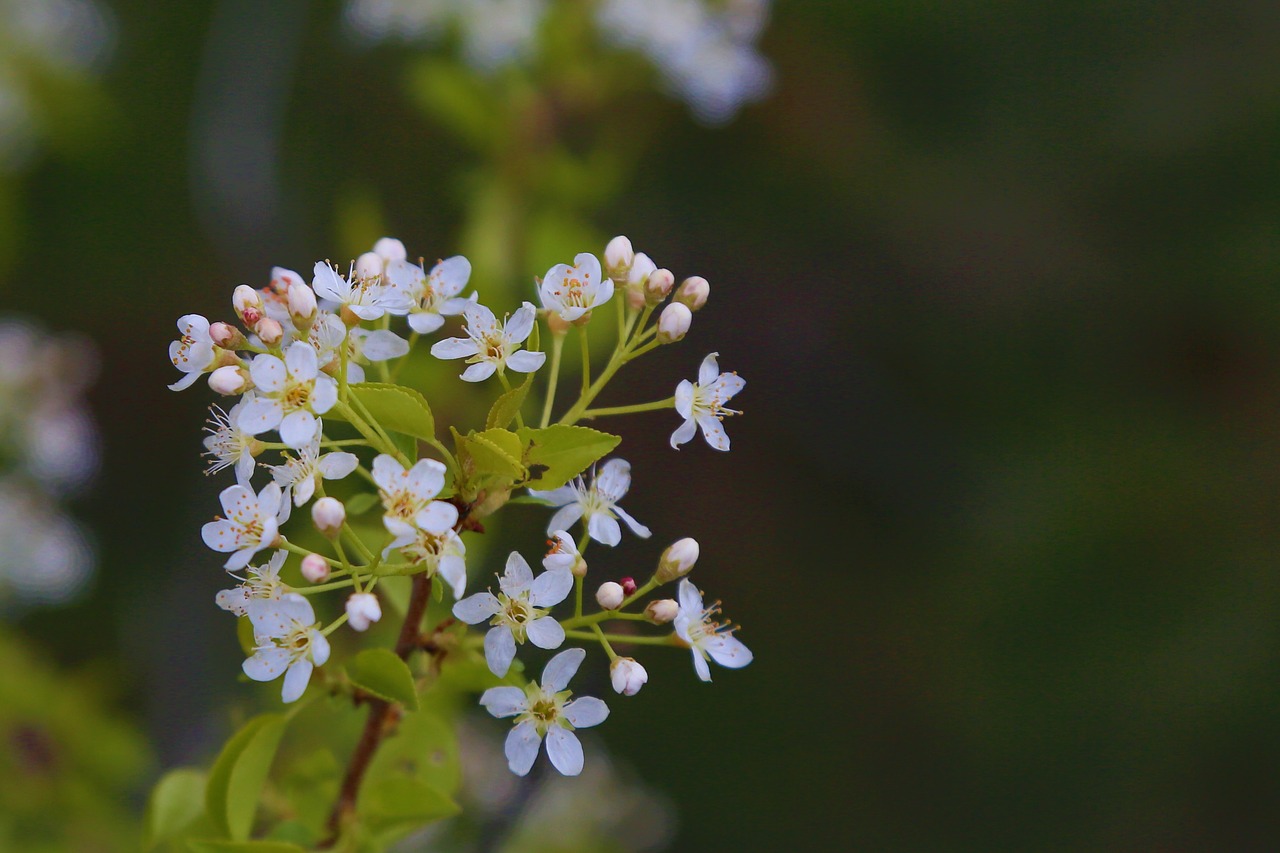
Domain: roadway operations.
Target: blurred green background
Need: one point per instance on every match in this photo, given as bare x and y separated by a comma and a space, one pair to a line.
1000, 519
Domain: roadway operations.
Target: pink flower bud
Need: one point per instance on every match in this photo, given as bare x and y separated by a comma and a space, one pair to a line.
248, 305
229, 380
662, 611
658, 286
628, 585
226, 336
269, 331
369, 265
673, 323
641, 267
693, 292
627, 675
329, 515
390, 249
609, 596
363, 610
618, 256
302, 305
315, 569
677, 561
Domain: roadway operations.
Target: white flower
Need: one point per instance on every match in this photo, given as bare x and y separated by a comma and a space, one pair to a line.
193, 353
703, 404
434, 294
542, 711
518, 612
407, 498
289, 642
598, 505
301, 475
367, 297
489, 347
262, 582
442, 553
228, 445
290, 394
708, 638
572, 291
627, 676
564, 555
252, 523
363, 610
275, 296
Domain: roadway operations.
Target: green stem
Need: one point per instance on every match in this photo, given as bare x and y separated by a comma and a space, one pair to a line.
324, 587
668, 403
621, 639
604, 641
557, 346
634, 354
596, 618
586, 358
400, 363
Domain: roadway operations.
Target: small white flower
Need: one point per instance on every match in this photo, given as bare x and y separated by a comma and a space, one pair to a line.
708, 638
300, 475
518, 612
275, 296
193, 353
262, 582
252, 523
229, 446
542, 711
564, 555
489, 347
435, 294
572, 291
407, 496
367, 297
627, 676
289, 643
703, 404
363, 610
598, 505
290, 394
442, 553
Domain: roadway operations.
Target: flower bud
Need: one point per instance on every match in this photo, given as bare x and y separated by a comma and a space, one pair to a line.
628, 586
627, 675
635, 298
641, 267
248, 305
369, 265
363, 610
390, 249
269, 331
673, 323
609, 596
329, 515
226, 336
618, 256
693, 292
677, 560
315, 569
302, 305
662, 611
229, 380
657, 286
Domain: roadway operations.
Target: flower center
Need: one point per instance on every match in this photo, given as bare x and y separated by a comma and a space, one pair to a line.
297, 395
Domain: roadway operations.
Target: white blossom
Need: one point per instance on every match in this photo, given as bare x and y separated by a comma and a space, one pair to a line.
697, 627
407, 498
627, 676
518, 613
367, 297
543, 710
703, 404
251, 523
300, 475
597, 505
564, 555
572, 291
363, 610
435, 294
228, 446
290, 393
289, 642
261, 582
193, 352
490, 347
443, 553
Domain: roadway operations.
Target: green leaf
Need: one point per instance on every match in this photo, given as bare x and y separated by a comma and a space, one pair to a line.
507, 406
496, 452
424, 748
235, 782
556, 454
397, 408
388, 803
211, 846
383, 674
176, 801
361, 503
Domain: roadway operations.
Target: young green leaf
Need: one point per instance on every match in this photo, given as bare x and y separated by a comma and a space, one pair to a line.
235, 782
507, 406
556, 454
361, 503
243, 847
176, 802
397, 408
395, 802
382, 673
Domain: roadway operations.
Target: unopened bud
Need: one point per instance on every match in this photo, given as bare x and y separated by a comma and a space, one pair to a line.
269, 331
302, 305
609, 596
363, 610
673, 323
628, 585
657, 286
390, 249
677, 560
693, 292
635, 298
329, 515
640, 270
226, 336
315, 569
248, 305
627, 675
229, 380
618, 256
662, 611
370, 265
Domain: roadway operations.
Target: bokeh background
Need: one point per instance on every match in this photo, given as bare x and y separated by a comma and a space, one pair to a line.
1000, 518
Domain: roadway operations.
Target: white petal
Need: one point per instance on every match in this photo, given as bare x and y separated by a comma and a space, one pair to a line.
454, 571
561, 668
614, 479
636, 527
586, 711
319, 648
355, 373
690, 599
526, 361
382, 345
545, 633
728, 651
268, 373
220, 536
604, 529
454, 348
304, 491
503, 701
240, 559
551, 587
437, 517
232, 600
266, 664
565, 517
565, 750
388, 474
426, 478
295, 680
520, 324
479, 319
556, 497
301, 360
329, 284
186, 381
684, 398
451, 275
406, 277
700, 666
726, 386
368, 312
684, 433
244, 469
517, 577
259, 415
335, 466
298, 428
708, 370
713, 431
499, 649
424, 323
522, 747
477, 608
479, 372
325, 391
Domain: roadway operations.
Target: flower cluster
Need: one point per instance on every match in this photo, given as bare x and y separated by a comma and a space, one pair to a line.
302, 421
